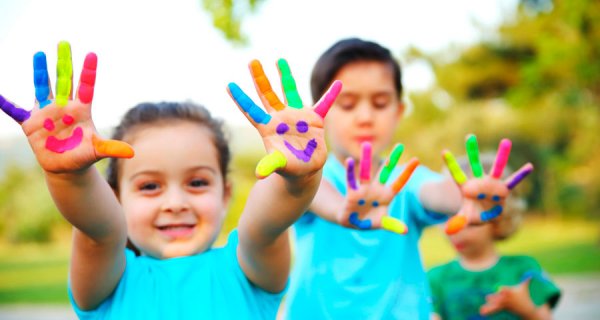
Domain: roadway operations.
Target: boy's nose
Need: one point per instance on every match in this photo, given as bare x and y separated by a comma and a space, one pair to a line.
364, 114
175, 201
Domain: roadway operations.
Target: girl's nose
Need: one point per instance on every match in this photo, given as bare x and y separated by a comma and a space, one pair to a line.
175, 201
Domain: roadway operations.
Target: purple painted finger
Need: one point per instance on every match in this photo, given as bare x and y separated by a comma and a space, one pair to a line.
350, 178
16, 113
326, 101
518, 176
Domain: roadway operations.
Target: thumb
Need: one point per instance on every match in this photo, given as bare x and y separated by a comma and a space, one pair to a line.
111, 148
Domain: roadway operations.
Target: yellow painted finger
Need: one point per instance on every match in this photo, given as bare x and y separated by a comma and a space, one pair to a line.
64, 74
393, 225
269, 164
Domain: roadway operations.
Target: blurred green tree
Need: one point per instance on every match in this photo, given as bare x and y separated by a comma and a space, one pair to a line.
536, 80
227, 16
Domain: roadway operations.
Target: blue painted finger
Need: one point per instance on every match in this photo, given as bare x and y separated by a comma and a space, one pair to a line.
41, 79
257, 114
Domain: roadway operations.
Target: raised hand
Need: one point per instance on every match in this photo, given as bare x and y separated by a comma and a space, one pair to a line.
60, 129
367, 202
293, 135
483, 195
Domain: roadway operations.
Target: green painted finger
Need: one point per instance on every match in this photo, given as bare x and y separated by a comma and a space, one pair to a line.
473, 154
455, 170
289, 85
390, 164
64, 74
269, 163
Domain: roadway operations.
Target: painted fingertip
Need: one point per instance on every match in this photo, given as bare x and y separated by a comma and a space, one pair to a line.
87, 80
112, 148
16, 113
473, 155
350, 176
518, 176
41, 80
255, 113
455, 224
393, 225
324, 104
269, 164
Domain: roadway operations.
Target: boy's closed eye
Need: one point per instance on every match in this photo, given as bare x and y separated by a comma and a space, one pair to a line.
381, 100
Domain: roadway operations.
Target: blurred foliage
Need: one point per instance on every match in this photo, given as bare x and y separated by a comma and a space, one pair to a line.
537, 83
27, 213
227, 16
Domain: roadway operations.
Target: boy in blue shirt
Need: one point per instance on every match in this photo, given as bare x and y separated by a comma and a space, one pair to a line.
341, 273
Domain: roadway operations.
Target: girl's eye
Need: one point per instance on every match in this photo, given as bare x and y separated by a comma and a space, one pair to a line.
150, 186
381, 103
197, 183
346, 106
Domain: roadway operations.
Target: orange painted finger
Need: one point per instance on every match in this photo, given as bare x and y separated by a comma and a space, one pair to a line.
456, 223
112, 148
263, 86
405, 175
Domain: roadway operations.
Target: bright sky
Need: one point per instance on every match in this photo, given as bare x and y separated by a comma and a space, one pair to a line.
168, 49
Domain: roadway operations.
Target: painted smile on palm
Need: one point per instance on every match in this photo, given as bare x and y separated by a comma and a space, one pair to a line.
58, 145
302, 154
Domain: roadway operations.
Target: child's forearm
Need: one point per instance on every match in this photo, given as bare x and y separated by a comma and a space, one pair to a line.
88, 203
442, 197
273, 205
276, 203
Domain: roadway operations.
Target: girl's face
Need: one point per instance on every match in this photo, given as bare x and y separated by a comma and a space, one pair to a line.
367, 109
172, 190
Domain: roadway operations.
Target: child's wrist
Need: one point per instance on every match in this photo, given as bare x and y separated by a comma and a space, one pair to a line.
304, 182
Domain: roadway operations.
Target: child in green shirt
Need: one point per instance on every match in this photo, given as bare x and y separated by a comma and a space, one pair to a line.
481, 283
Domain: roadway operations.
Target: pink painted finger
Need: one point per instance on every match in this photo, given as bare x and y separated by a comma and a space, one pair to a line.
518, 176
501, 158
365, 163
327, 100
87, 80
350, 177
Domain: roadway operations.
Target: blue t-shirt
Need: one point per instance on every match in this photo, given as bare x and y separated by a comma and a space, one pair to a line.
341, 273
210, 285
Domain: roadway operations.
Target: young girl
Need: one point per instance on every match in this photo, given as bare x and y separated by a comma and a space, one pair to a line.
169, 200
481, 283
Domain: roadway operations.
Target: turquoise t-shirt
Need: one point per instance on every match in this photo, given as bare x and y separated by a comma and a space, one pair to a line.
459, 293
210, 285
341, 273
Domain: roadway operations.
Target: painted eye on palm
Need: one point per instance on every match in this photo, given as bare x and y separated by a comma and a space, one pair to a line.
71, 142
305, 153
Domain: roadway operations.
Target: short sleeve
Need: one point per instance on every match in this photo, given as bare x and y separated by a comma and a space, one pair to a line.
541, 288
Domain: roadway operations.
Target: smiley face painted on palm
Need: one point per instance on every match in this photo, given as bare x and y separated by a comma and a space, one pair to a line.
305, 153
71, 142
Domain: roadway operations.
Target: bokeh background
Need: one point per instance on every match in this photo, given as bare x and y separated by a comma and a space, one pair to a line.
528, 70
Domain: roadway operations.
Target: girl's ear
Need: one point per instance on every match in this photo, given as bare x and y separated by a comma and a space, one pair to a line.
227, 190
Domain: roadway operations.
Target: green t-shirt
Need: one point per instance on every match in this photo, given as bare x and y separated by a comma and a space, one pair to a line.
459, 293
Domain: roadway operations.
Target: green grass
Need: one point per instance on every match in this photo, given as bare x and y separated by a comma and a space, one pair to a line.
560, 246
38, 273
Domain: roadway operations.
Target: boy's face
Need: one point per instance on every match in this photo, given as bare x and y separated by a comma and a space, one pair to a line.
473, 240
367, 109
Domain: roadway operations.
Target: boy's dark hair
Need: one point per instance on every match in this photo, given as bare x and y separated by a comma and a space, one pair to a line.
145, 114
345, 52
